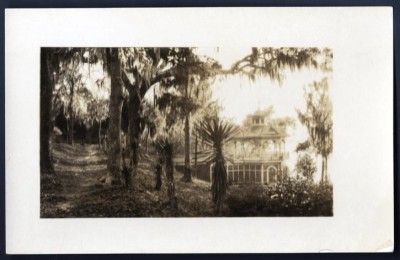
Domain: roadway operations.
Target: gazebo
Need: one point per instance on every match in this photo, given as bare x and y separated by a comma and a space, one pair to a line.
257, 151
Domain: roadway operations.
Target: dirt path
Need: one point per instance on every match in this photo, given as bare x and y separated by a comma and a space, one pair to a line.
78, 169
78, 191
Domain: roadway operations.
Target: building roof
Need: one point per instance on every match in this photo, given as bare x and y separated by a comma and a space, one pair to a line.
262, 113
266, 131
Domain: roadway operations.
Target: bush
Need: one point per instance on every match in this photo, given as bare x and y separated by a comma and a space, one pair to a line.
306, 166
246, 200
291, 197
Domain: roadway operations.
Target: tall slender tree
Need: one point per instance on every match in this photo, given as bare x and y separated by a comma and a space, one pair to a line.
198, 73
47, 60
318, 119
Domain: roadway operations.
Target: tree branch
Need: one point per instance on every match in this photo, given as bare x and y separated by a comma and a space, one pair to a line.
126, 80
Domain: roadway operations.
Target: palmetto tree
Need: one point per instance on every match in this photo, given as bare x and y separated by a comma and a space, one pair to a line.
165, 147
216, 133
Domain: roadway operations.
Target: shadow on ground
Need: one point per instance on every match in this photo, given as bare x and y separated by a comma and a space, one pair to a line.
76, 190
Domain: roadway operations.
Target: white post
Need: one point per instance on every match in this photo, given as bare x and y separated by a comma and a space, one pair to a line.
235, 153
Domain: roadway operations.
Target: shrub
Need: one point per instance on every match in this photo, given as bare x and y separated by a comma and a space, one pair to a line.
306, 166
290, 197
246, 200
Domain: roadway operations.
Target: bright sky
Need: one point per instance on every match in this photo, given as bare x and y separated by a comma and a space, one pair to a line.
239, 97
96, 73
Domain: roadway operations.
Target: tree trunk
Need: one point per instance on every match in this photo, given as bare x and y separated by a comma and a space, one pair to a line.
195, 155
326, 179
99, 136
169, 168
46, 166
219, 182
323, 171
71, 116
134, 110
71, 131
115, 108
158, 175
147, 140
83, 136
187, 177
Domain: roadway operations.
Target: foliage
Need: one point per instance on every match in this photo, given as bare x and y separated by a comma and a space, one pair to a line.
148, 119
291, 197
303, 146
215, 133
318, 120
187, 84
272, 62
318, 117
75, 95
97, 110
210, 109
177, 104
69, 81
305, 166
168, 67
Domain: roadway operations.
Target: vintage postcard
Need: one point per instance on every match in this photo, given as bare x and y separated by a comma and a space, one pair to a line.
264, 128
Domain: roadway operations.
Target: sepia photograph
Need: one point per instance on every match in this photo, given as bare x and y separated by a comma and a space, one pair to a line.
185, 132
199, 130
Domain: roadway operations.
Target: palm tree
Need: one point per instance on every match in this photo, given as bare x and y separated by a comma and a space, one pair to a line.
216, 133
